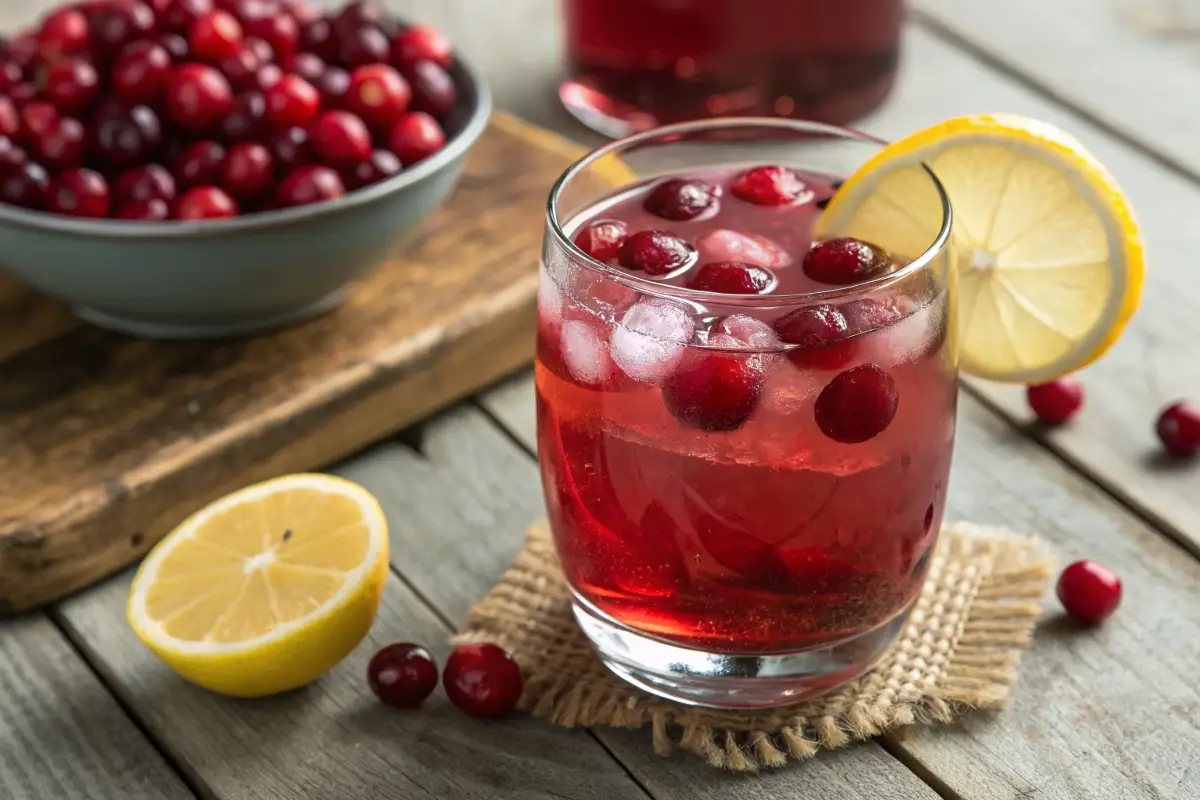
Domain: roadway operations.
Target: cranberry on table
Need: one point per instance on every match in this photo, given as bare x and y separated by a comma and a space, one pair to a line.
402, 675
25, 186
843, 261
292, 101
768, 186
656, 253
857, 405
366, 45
381, 165
180, 14
64, 32
602, 239
206, 202
79, 193
147, 182
482, 680
732, 277
821, 334
1178, 429
278, 30
714, 391
200, 163
421, 43
247, 120
433, 90
378, 95
682, 199
1057, 401
341, 139
127, 136
309, 184
198, 96
289, 147
141, 72
64, 144
1089, 591
247, 170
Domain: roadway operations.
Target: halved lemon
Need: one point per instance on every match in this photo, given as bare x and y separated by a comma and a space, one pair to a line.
266, 589
1046, 247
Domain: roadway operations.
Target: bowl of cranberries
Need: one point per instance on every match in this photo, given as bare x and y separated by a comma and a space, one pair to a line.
195, 168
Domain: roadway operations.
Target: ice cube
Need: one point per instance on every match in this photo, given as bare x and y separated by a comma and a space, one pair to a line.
650, 339
790, 389
726, 245
585, 353
906, 340
549, 300
743, 332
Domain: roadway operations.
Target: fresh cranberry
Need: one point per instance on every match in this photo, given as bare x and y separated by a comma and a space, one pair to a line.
844, 261
247, 11
1089, 592
206, 202
180, 14
114, 25
714, 391
289, 148
63, 145
482, 680
292, 101
71, 85
1178, 428
64, 33
241, 69
732, 277
421, 43
334, 85
128, 136
11, 155
319, 37
175, 45
37, 118
857, 405
10, 75
402, 675
246, 120
147, 182
23, 94
198, 96
359, 14
278, 30
25, 186
247, 170
10, 118
153, 210
1057, 401
602, 239
214, 36
267, 76
341, 139
260, 48
142, 72
656, 253
310, 184
362, 46
378, 95
199, 164
682, 199
307, 65
79, 193
768, 186
24, 51
415, 137
821, 332
303, 11
382, 165
433, 90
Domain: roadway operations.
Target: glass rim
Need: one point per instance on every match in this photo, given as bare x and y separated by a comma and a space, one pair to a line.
666, 290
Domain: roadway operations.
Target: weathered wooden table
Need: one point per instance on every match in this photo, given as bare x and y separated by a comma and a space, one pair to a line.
85, 712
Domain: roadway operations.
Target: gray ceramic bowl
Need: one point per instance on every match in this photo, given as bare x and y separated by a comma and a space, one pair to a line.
225, 278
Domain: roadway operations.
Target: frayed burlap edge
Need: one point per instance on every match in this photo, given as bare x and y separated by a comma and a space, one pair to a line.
958, 651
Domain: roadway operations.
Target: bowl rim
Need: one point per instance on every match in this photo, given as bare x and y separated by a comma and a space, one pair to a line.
455, 148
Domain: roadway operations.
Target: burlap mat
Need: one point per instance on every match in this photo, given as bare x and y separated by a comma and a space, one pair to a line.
959, 651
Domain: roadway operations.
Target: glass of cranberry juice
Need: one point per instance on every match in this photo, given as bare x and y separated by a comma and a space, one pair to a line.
634, 64
744, 437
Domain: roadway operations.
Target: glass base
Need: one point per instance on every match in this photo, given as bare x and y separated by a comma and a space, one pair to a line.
716, 680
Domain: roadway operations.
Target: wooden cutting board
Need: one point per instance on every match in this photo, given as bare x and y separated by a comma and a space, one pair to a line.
107, 442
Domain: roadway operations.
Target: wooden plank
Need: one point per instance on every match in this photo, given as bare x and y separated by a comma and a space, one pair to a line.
466, 499
1105, 713
333, 740
62, 735
1135, 80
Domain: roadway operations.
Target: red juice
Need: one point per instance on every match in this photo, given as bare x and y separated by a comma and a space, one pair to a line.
715, 479
634, 64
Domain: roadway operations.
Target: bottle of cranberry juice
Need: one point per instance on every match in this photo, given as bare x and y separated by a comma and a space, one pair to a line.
634, 64
744, 434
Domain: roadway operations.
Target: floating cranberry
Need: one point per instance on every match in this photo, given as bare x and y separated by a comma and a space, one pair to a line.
247, 170
1178, 428
25, 186
278, 30
682, 199
128, 136
1057, 401
821, 332
10, 118
246, 120
307, 65
320, 38
433, 90
289, 148
857, 405
114, 25
845, 261
79, 193
64, 144
310, 184
768, 186
241, 69
334, 85
198, 96
482, 680
602, 239
381, 165
714, 391
378, 95
142, 72
180, 14
402, 675
175, 45
421, 43
206, 202
153, 210
147, 182
362, 46
292, 101
214, 36
732, 277
415, 137
64, 33
656, 253
199, 164
1089, 592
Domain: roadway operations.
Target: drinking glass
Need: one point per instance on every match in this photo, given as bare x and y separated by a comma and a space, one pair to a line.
767, 552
